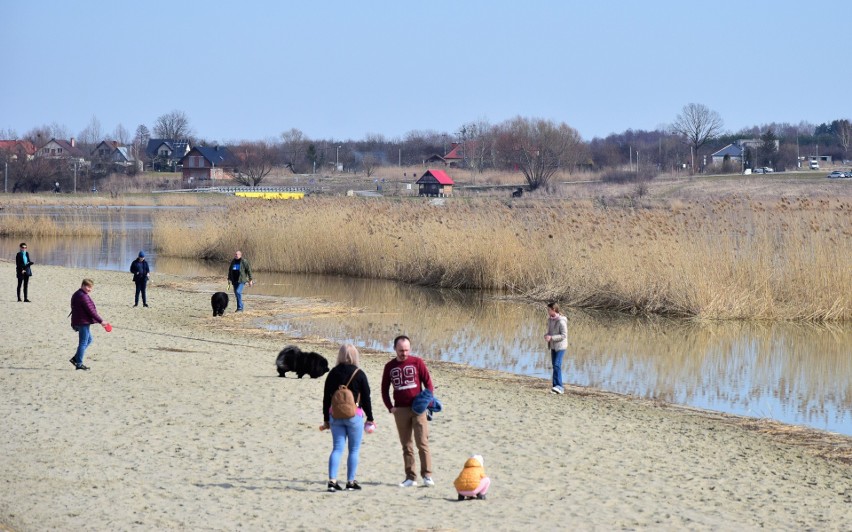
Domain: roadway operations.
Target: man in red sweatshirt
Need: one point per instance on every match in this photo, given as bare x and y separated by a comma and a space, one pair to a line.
408, 375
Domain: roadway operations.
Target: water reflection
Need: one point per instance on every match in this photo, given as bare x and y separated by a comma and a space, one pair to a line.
797, 374
793, 373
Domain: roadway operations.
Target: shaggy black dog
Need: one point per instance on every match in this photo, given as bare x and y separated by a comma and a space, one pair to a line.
219, 302
291, 358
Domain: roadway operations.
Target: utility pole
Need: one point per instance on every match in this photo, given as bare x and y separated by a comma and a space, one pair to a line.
75, 177
692, 160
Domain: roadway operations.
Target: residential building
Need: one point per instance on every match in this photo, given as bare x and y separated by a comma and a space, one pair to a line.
62, 149
12, 150
165, 154
203, 163
110, 156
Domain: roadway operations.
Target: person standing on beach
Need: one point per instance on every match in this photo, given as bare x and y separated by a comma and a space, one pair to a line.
408, 375
83, 315
557, 342
346, 373
239, 273
23, 271
141, 273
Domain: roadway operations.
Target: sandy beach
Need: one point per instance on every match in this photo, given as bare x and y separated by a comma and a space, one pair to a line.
183, 424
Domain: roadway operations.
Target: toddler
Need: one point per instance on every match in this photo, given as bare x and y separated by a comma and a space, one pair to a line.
472, 482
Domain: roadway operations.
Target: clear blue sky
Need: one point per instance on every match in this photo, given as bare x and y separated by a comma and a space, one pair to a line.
341, 70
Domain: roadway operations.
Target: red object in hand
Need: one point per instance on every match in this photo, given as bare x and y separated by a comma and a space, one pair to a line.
107, 327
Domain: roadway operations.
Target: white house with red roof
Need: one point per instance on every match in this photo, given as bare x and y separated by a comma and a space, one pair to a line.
435, 183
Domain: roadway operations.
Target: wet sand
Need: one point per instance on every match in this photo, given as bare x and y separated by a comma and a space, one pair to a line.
183, 423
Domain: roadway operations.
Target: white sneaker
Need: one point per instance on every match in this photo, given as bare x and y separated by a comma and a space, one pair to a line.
428, 482
557, 389
408, 483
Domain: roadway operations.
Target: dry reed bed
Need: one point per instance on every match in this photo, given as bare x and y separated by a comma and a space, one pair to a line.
74, 224
729, 259
113, 200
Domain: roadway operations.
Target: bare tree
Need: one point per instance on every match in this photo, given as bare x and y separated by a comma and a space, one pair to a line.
843, 131
538, 148
32, 175
294, 148
369, 162
174, 125
256, 161
91, 134
121, 135
698, 124
420, 144
41, 135
476, 144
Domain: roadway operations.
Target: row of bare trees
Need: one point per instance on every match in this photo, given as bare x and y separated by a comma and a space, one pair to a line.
536, 148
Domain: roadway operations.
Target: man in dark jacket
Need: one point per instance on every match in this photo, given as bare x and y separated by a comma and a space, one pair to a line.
141, 273
23, 261
83, 315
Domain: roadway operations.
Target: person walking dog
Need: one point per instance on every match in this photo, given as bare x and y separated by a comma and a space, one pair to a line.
239, 273
83, 315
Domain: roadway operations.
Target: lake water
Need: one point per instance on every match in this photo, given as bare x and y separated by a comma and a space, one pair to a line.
794, 373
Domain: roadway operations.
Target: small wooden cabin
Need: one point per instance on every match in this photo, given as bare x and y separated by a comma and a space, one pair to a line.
435, 183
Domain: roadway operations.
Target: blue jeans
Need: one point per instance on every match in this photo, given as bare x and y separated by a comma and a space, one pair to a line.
85, 340
341, 430
556, 359
238, 292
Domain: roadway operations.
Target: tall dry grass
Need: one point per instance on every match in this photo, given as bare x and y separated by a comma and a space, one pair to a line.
727, 259
16, 201
45, 225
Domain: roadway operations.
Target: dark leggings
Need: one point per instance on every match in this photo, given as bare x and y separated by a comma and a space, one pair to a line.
23, 280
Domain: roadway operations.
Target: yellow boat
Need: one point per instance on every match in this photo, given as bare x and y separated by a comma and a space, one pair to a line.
271, 195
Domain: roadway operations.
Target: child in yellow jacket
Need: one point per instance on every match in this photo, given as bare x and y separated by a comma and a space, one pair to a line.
472, 482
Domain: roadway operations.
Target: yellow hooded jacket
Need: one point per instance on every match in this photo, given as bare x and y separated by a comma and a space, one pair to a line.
468, 479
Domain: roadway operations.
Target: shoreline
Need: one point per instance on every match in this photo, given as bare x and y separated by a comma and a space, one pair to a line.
183, 423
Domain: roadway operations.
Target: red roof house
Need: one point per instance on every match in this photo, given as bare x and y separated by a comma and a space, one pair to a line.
460, 152
435, 183
18, 148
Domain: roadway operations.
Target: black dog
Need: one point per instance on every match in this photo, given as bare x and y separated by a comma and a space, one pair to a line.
291, 358
219, 302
